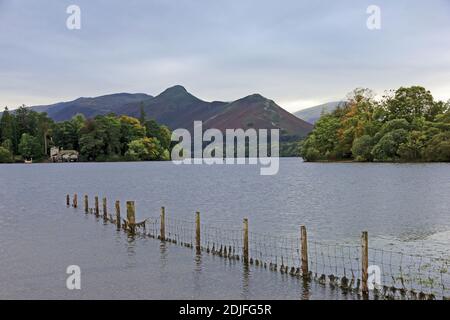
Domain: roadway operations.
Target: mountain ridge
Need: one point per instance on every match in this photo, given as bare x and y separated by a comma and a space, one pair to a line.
176, 107
312, 114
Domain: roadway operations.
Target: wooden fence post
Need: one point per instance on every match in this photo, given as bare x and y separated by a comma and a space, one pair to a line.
105, 209
245, 241
197, 232
131, 215
68, 200
304, 247
75, 200
365, 261
118, 222
86, 204
96, 206
163, 224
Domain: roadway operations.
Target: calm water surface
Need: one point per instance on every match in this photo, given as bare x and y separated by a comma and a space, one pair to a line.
403, 206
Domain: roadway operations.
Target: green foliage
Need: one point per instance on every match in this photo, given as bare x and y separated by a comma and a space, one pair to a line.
5, 155
145, 149
7, 127
387, 148
66, 134
406, 126
438, 149
322, 143
29, 147
362, 148
104, 138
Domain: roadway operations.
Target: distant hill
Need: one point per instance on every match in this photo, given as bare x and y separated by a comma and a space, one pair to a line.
312, 114
255, 111
90, 107
177, 108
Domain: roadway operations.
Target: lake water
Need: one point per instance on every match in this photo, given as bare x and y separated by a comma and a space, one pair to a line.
403, 207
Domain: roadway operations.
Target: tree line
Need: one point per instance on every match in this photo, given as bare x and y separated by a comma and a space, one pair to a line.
26, 134
405, 125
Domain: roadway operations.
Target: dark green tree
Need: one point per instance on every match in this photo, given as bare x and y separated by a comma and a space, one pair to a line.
29, 147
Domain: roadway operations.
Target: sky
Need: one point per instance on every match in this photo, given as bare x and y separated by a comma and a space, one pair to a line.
299, 53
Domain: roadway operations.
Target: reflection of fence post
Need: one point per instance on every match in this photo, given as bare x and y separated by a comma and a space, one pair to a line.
68, 200
105, 209
75, 200
304, 248
118, 214
365, 261
86, 204
197, 232
131, 215
163, 224
245, 241
96, 206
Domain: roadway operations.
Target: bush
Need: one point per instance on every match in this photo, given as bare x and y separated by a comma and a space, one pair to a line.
362, 148
5, 156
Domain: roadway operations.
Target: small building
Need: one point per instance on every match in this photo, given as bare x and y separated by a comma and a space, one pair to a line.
61, 155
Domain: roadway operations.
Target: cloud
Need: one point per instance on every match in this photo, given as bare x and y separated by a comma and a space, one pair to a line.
294, 51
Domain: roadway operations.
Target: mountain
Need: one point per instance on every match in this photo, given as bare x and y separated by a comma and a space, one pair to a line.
312, 114
90, 107
255, 111
177, 108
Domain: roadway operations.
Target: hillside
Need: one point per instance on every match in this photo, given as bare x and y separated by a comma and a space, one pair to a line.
177, 108
255, 111
90, 107
312, 114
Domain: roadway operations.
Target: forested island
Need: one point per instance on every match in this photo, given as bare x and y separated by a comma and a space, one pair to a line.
26, 134
407, 125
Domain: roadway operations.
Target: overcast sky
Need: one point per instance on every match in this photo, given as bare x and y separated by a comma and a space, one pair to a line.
298, 53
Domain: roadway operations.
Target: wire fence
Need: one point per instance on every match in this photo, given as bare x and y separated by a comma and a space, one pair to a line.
389, 274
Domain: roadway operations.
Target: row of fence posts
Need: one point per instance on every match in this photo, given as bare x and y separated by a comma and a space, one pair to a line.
131, 222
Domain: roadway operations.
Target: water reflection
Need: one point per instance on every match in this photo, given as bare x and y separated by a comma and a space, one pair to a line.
131, 251
306, 287
197, 274
163, 254
245, 281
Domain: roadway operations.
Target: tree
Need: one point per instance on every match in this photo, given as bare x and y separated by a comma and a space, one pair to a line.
438, 149
29, 147
412, 148
324, 139
143, 116
130, 129
412, 102
6, 126
362, 148
387, 148
91, 147
5, 155
162, 133
144, 149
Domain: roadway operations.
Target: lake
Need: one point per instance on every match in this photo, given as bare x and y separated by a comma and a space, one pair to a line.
404, 207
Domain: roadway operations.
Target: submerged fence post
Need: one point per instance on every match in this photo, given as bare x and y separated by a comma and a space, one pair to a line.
118, 214
163, 224
75, 200
131, 215
96, 206
245, 241
105, 209
197, 232
365, 261
68, 200
304, 248
86, 204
